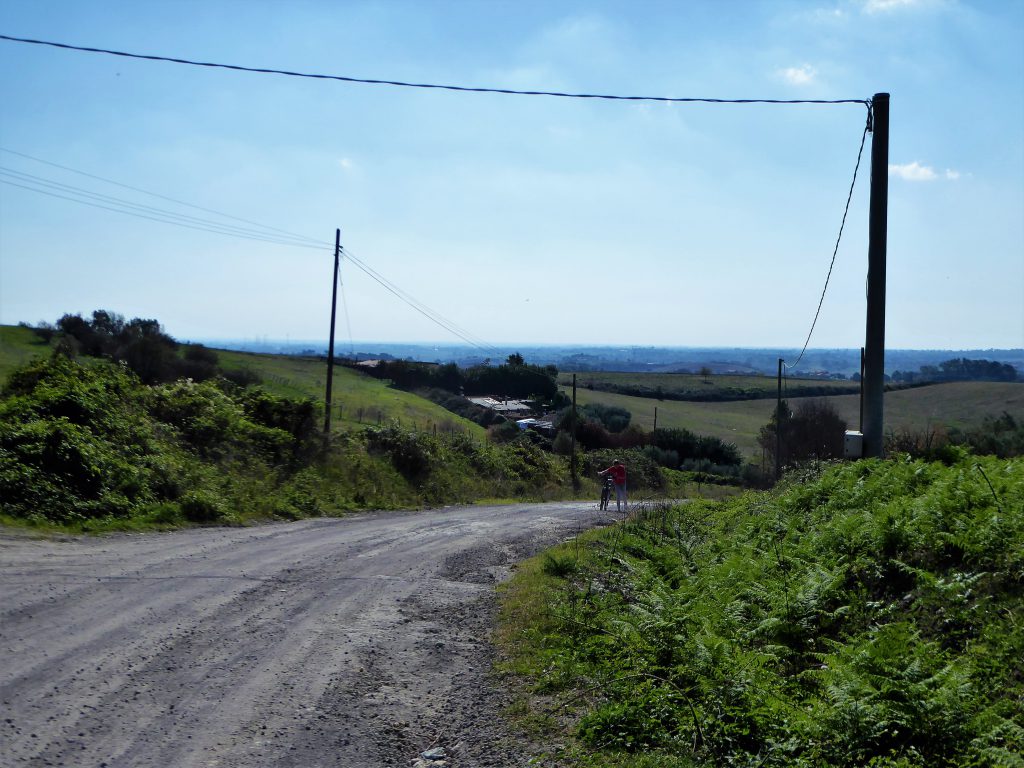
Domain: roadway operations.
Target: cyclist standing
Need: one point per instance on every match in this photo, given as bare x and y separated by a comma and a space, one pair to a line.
617, 471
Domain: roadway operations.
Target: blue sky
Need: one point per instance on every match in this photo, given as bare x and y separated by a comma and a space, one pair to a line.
522, 219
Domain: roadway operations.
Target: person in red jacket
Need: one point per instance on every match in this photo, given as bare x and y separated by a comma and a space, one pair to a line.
618, 474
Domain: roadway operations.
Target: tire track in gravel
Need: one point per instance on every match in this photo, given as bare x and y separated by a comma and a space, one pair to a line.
351, 642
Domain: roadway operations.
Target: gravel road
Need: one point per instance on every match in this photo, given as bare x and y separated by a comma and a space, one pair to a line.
360, 641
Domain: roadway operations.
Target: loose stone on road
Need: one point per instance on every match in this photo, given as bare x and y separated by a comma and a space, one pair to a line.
361, 641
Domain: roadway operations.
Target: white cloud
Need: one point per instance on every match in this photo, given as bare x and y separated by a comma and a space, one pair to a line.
345, 163
916, 172
802, 75
884, 6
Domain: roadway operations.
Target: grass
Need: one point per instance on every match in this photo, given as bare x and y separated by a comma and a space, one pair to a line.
863, 615
955, 404
357, 399
17, 347
686, 386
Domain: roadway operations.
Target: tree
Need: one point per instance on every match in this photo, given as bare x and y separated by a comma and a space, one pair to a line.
814, 430
706, 373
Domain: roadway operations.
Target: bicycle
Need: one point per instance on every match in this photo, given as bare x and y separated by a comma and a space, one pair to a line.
606, 491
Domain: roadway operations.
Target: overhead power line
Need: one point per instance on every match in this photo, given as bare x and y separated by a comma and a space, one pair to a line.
419, 306
52, 188
88, 197
159, 196
842, 225
434, 86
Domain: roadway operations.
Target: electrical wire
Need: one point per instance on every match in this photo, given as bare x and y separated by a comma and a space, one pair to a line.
348, 322
170, 217
158, 195
154, 218
420, 307
92, 199
435, 86
842, 225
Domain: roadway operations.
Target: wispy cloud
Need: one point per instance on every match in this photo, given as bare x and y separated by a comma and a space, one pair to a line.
345, 163
884, 6
916, 172
802, 75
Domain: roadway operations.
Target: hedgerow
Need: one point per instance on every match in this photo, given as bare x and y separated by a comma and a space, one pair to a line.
92, 446
869, 615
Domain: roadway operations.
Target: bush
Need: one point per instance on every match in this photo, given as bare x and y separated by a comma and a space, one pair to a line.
202, 506
862, 615
611, 417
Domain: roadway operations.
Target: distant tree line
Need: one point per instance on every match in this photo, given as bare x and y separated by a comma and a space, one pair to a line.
958, 369
719, 394
513, 379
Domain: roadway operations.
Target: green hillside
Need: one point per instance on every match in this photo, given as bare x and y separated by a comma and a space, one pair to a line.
866, 616
955, 404
17, 347
357, 399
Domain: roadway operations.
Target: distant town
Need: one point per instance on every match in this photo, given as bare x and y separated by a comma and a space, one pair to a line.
900, 364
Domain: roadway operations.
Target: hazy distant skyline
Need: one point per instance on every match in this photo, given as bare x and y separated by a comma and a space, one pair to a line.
523, 220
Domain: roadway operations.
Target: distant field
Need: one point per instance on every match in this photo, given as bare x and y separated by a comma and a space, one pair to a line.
357, 399
691, 386
957, 404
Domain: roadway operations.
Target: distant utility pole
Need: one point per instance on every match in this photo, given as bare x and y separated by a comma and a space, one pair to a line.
873, 382
330, 344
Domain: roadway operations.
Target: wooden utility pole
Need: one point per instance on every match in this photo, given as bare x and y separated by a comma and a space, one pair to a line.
572, 462
330, 344
655, 419
874, 346
778, 426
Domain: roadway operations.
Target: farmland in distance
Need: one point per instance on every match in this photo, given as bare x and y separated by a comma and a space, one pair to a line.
938, 406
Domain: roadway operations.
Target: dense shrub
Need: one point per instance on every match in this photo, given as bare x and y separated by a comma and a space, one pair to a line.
864, 616
688, 445
611, 417
74, 442
641, 471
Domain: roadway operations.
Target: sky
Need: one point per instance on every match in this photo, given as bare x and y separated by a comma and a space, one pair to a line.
517, 219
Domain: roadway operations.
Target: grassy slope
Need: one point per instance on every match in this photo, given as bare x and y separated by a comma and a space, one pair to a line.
692, 383
291, 376
958, 404
17, 347
864, 617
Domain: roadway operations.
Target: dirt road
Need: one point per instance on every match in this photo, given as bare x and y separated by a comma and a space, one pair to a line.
353, 642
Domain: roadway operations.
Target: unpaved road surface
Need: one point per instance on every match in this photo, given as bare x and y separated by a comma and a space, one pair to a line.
354, 642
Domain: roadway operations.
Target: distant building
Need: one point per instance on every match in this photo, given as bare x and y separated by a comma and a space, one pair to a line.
504, 407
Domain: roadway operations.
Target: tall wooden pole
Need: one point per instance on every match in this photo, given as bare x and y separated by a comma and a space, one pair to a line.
330, 344
778, 425
874, 346
572, 463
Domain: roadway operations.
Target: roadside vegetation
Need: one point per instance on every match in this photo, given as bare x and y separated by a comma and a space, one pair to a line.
91, 447
107, 423
861, 614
